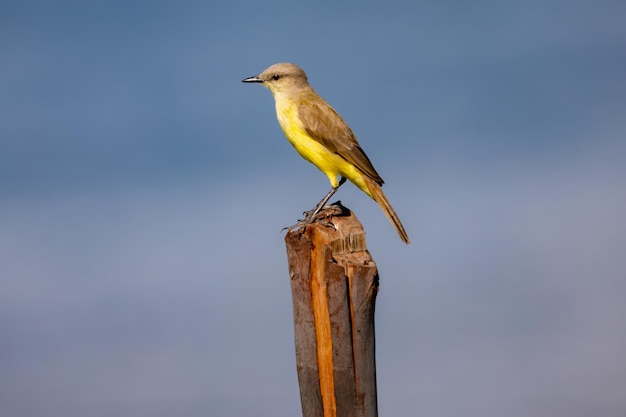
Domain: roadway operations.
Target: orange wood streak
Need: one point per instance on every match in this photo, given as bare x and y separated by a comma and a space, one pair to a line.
322, 328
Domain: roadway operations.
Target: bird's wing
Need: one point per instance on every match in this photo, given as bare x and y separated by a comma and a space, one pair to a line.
323, 124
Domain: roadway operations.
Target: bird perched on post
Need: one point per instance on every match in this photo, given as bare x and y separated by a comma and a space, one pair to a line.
322, 137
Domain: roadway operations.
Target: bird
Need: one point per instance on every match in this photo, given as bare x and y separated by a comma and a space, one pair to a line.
322, 137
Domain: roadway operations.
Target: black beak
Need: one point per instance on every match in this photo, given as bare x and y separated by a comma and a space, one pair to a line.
254, 79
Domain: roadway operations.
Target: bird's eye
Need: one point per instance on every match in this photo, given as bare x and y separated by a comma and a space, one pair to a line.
275, 77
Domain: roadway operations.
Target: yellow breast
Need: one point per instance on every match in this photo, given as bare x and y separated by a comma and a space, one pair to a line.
313, 151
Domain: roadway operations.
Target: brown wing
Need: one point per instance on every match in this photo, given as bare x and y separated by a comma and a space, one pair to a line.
326, 126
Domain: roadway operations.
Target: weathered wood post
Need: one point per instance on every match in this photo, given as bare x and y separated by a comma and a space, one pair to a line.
334, 283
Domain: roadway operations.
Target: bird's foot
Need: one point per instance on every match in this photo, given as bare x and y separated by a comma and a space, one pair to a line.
303, 223
317, 216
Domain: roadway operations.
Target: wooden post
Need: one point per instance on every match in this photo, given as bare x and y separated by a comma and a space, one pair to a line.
334, 283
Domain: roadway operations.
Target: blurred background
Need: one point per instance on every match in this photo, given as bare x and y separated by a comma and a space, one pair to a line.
143, 189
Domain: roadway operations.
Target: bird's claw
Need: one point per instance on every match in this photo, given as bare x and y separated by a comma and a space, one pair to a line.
325, 223
310, 218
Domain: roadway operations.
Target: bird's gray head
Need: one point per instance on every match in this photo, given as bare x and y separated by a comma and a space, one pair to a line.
281, 77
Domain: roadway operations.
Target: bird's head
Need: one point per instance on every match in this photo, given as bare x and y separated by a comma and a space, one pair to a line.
281, 78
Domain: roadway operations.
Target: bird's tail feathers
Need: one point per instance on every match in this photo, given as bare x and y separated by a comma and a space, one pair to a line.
378, 195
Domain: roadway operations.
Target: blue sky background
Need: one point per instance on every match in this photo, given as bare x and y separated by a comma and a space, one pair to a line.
143, 189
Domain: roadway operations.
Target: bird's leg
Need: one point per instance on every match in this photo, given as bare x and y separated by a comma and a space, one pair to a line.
310, 215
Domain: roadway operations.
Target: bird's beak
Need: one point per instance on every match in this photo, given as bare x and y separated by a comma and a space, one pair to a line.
254, 79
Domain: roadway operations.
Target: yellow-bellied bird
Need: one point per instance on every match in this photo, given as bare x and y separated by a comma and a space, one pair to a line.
322, 137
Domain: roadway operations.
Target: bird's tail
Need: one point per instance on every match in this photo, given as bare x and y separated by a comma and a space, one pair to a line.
377, 194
